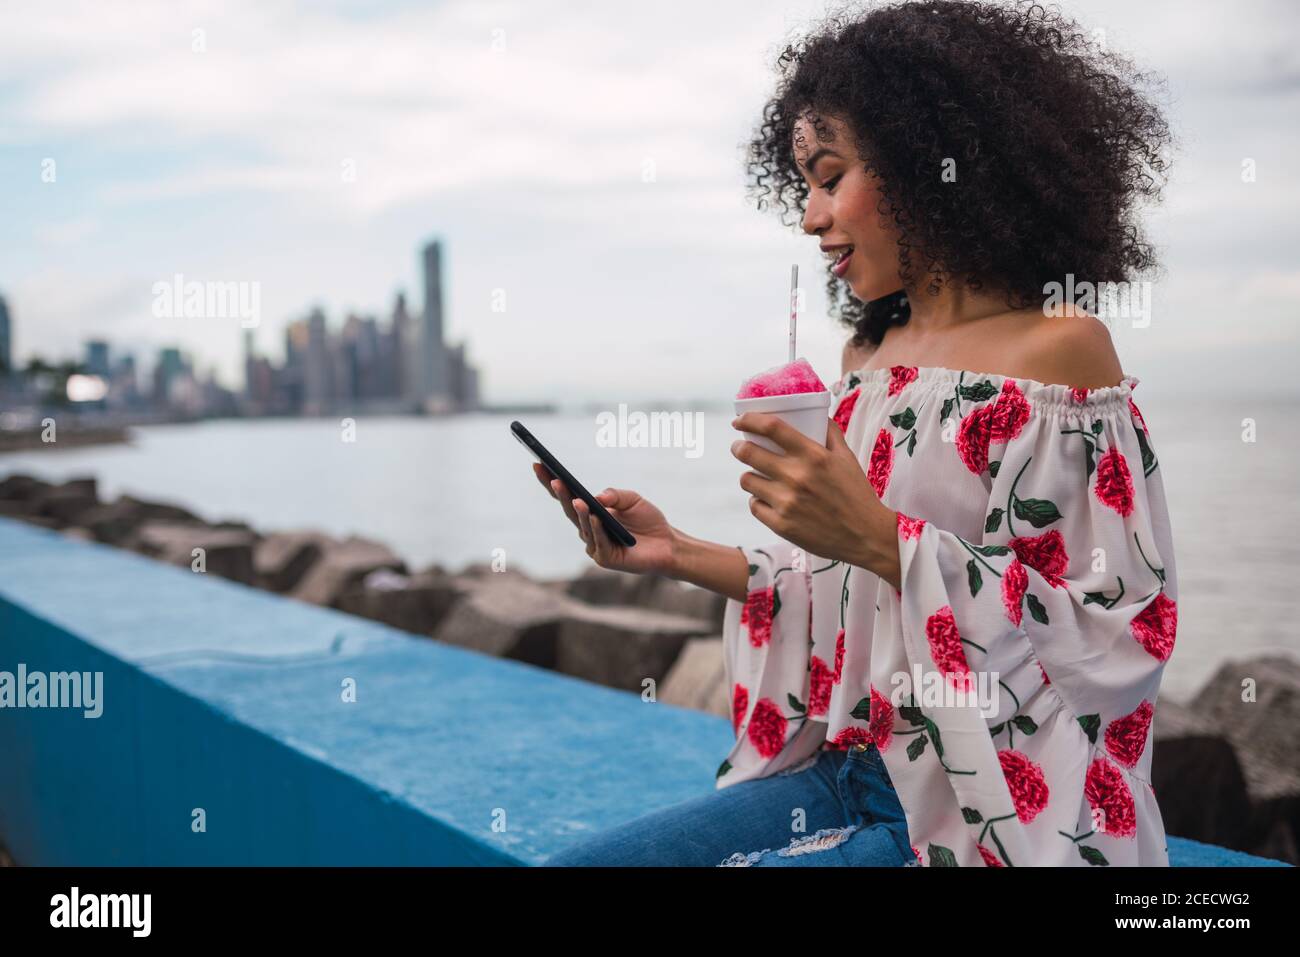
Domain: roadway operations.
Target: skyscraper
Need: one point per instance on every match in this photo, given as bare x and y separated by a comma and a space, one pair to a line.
430, 375
97, 358
6, 344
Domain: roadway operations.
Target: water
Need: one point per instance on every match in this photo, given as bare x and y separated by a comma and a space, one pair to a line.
452, 491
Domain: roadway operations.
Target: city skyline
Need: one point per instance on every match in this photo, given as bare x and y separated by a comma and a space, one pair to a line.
595, 199
356, 366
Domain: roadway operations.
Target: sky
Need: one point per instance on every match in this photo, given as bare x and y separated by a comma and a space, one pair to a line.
582, 164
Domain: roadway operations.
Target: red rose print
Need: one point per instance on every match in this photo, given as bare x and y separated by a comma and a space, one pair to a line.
839, 655
946, 650
973, 440
849, 736
1079, 395
844, 411
1015, 581
882, 720
1046, 680
917, 853
757, 615
1026, 783
819, 689
1126, 737
1156, 625
1008, 414
1138, 415
1106, 790
1045, 554
909, 527
1114, 482
900, 376
739, 705
990, 859
881, 462
767, 728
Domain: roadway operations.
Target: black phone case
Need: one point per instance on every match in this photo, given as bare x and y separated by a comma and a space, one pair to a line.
612, 525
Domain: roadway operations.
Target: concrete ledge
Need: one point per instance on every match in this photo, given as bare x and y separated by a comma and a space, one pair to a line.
228, 699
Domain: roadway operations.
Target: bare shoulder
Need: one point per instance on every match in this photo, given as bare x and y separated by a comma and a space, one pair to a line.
1074, 349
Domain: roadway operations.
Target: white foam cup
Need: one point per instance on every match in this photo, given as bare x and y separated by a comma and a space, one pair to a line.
808, 412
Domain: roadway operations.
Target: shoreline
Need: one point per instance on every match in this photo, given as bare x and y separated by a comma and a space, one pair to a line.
618, 629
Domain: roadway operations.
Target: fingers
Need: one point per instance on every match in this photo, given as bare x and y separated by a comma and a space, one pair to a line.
544, 477
760, 486
760, 459
772, 427
566, 500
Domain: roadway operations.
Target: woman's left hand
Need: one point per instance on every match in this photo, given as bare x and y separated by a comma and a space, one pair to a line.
816, 497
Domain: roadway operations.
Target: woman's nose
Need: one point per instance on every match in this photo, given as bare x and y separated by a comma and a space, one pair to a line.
816, 218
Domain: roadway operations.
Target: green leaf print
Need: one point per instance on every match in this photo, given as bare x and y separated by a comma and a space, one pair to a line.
916, 748
903, 420
1038, 512
1090, 723
973, 577
1036, 609
991, 524
1093, 856
941, 856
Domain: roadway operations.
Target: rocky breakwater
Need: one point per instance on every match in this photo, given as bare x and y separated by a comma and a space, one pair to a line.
1226, 767
607, 627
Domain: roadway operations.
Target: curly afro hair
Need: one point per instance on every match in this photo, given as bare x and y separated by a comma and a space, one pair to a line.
1054, 146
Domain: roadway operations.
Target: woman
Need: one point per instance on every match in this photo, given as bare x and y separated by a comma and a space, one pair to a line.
951, 655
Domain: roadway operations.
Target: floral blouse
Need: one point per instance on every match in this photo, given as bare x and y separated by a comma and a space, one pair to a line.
1009, 685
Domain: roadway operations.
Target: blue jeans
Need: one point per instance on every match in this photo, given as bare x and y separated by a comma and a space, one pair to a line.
850, 818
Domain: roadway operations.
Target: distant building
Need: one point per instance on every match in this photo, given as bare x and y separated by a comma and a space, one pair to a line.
439, 379
168, 376
6, 343
97, 358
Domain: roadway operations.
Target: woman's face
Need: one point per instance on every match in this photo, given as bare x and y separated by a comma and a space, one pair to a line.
841, 211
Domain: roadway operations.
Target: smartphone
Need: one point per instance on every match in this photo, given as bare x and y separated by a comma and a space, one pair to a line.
612, 525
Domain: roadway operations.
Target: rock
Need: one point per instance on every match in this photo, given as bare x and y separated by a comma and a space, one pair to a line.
603, 586
21, 488
16, 508
622, 646
1186, 748
506, 617
698, 678
342, 565
1263, 732
226, 552
77, 532
65, 503
281, 559
417, 604
117, 522
164, 511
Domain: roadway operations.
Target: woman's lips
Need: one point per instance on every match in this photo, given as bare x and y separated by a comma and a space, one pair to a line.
842, 264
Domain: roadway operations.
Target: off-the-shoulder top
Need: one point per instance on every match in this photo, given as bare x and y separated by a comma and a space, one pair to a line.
1010, 683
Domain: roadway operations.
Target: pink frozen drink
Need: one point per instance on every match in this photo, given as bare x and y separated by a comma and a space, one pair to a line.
793, 392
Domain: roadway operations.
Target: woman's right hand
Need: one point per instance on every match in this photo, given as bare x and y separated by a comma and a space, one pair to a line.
653, 551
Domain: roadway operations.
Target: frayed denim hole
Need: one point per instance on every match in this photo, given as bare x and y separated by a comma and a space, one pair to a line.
823, 840
741, 859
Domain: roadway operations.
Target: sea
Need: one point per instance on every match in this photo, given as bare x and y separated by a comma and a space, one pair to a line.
456, 490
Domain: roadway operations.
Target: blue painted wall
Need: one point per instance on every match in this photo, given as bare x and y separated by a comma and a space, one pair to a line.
221, 697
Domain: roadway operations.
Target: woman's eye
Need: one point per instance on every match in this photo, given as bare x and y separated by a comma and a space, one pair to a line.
829, 185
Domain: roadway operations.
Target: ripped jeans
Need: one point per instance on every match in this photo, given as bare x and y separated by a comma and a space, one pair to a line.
842, 801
